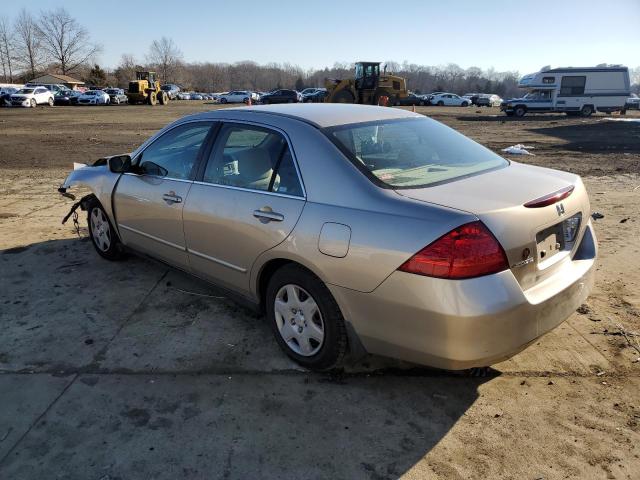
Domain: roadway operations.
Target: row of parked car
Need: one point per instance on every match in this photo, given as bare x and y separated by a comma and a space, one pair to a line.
34, 95
451, 99
281, 95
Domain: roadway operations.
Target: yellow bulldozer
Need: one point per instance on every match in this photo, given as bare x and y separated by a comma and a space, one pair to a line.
367, 87
146, 89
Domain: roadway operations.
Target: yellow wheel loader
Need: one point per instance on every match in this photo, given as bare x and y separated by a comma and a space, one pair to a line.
367, 87
146, 89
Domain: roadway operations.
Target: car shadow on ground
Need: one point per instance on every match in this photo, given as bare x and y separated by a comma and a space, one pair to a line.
144, 372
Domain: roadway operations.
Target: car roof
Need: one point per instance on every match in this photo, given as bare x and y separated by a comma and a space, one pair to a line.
321, 115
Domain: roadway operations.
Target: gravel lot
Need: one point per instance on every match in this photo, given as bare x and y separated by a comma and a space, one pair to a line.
132, 370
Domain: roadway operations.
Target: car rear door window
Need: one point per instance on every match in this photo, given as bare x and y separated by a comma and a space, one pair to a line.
255, 158
177, 150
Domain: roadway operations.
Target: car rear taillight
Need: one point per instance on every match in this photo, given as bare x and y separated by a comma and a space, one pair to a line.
465, 252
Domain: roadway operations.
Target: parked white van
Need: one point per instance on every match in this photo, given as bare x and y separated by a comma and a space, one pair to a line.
572, 90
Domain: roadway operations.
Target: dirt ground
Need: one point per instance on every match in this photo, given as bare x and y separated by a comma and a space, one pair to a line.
132, 370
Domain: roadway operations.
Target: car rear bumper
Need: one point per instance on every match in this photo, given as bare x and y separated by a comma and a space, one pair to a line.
458, 324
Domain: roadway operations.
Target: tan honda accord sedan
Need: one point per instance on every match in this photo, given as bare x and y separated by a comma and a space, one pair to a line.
355, 229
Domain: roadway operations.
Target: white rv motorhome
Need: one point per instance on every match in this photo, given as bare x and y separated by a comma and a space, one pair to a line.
574, 91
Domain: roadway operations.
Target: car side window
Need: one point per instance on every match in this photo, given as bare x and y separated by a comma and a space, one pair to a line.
255, 158
177, 150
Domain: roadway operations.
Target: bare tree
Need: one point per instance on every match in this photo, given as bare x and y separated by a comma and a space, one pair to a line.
66, 41
28, 45
6, 49
126, 70
167, 58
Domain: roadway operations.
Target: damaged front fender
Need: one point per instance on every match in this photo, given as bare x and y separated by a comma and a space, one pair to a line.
97, 178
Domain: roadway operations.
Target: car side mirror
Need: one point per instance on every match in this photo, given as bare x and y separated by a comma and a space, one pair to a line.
151, 168
120, 164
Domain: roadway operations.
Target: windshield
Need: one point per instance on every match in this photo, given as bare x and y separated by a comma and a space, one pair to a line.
413, 153
538, 95
26, 90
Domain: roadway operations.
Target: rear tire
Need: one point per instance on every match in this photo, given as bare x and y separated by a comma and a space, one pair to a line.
223, 100
153, 99
440, 103
586, 111
50, 102
164, 98
290, 317
103, 236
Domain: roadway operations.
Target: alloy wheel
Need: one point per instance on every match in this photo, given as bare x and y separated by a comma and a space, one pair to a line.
299, 320
100, 229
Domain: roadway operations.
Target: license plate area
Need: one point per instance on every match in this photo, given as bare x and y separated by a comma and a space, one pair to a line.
557, 238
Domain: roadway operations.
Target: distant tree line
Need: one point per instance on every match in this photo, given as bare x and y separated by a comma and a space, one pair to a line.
54, 42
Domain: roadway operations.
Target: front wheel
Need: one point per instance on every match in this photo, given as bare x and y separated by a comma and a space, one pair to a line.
223, 100
116, 101
520, 112
33, 103
440, 103
163, 98
306, 319
465, 104
102, 234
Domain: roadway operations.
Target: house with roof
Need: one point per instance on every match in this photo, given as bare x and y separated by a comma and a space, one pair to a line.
55, 78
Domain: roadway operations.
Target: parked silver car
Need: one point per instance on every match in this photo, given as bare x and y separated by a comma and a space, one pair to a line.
355, 228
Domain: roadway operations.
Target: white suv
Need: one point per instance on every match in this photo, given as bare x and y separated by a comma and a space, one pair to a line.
30, 97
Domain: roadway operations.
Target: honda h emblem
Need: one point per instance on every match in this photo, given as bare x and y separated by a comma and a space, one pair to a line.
560, 209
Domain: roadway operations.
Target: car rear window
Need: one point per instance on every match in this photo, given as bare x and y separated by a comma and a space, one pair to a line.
412, 153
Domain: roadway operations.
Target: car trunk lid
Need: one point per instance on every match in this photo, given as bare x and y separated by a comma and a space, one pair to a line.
535, 239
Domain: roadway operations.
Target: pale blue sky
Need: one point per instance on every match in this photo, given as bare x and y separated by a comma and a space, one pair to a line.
506, 35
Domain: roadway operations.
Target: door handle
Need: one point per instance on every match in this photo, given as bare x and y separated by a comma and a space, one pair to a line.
268, 215
171, 197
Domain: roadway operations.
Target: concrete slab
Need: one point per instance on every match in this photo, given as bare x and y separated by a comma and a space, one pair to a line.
23, 399
245, 426
61, 303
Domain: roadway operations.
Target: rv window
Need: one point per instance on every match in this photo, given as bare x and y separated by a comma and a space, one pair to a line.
548, 79
572, 85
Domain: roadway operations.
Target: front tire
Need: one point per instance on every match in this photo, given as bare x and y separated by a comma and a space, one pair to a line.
306, 319
163, 98
441, 103
102, 234
520, 112
33, 103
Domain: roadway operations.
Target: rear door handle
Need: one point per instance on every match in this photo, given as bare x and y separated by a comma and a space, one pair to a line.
171, 197
268, 216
